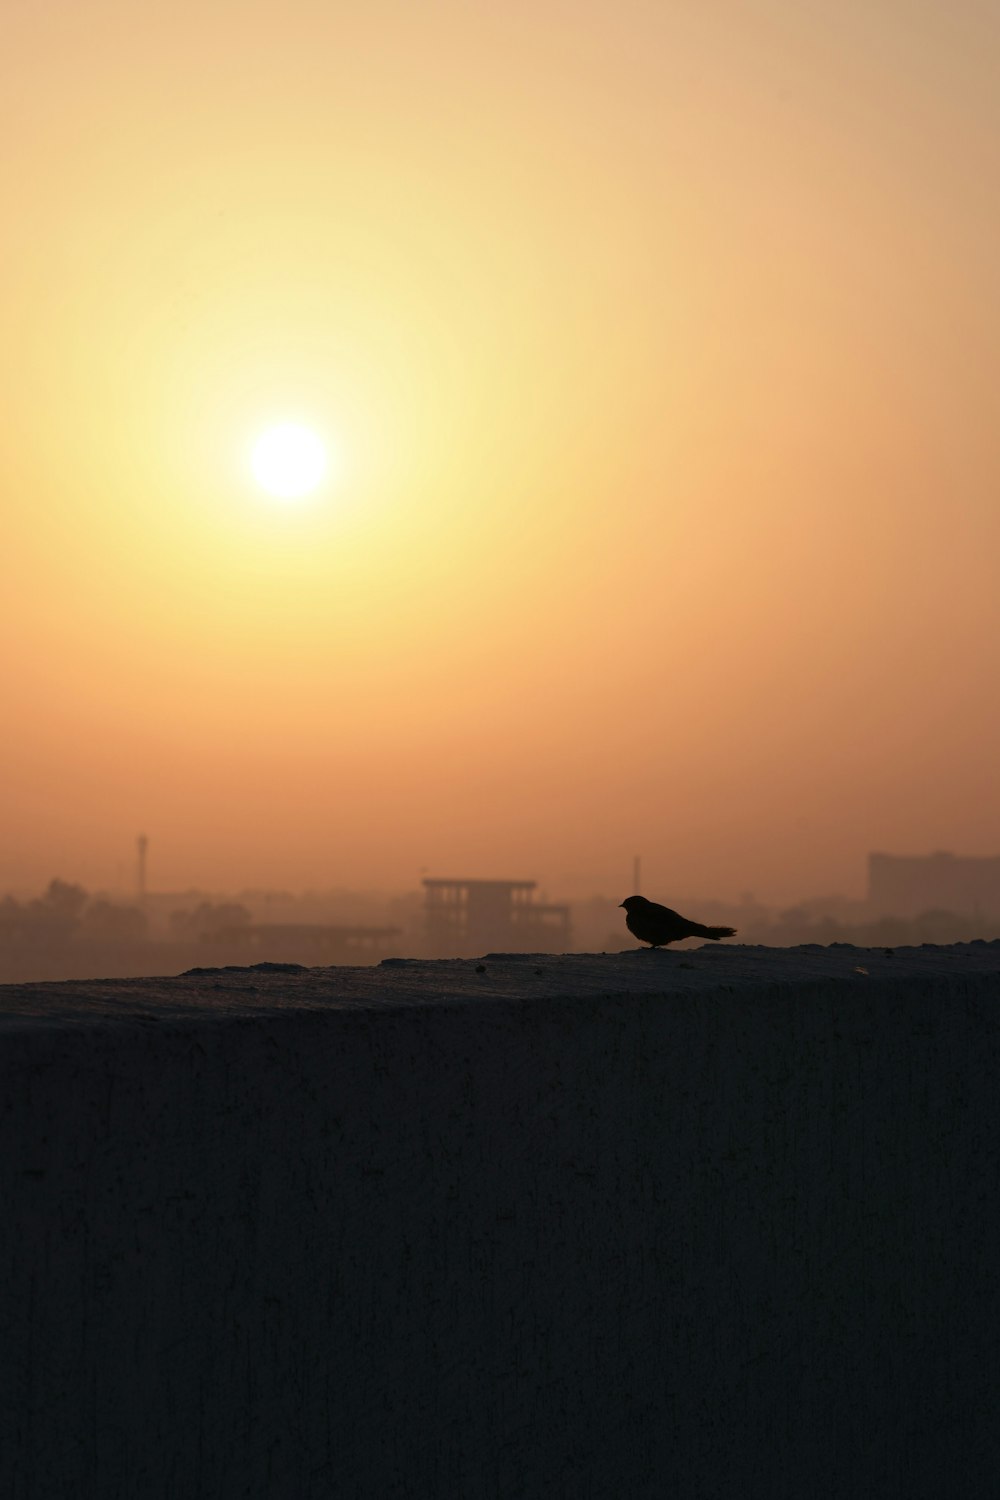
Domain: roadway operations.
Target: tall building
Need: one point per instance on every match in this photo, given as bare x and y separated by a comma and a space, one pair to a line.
466, 918
906, 886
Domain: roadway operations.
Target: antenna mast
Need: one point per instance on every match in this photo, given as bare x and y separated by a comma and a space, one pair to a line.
142, 844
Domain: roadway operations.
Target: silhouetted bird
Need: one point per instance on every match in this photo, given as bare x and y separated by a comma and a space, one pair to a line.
658, 925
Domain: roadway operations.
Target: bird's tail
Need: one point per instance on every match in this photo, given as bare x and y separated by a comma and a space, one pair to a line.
697, 930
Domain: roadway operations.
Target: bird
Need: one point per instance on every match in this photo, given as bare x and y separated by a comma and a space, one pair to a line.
658, 925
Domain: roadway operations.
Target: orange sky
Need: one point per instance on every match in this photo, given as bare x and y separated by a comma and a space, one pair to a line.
659, 347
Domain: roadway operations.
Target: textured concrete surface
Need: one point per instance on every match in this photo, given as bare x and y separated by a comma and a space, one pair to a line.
720, 1223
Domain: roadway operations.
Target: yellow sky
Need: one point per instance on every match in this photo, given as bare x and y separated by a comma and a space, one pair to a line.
659, 348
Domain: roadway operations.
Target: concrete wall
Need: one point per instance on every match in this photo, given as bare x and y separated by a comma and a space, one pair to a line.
513, 1235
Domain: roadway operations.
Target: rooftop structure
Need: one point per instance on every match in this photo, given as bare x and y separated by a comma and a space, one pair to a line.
467, 917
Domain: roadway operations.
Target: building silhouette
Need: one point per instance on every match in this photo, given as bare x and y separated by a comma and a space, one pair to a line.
466, 918
314, 944
907, 886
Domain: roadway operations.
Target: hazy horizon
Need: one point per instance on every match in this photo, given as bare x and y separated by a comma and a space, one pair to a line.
655, 350
573, 886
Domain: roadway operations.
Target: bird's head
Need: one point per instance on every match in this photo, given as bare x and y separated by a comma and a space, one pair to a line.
631, 902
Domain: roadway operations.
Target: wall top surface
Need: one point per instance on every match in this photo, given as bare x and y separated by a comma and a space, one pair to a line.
232, 993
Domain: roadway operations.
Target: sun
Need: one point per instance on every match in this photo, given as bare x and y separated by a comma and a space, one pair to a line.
288, 460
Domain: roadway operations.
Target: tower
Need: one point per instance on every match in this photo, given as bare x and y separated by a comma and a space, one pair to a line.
142, 844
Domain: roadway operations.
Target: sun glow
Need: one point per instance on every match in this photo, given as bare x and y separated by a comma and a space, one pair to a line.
288, 460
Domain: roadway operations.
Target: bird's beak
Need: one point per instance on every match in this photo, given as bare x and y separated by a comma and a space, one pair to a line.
620, 905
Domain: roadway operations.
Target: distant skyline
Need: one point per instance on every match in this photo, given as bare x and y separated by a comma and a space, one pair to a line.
930, 881
656, 349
